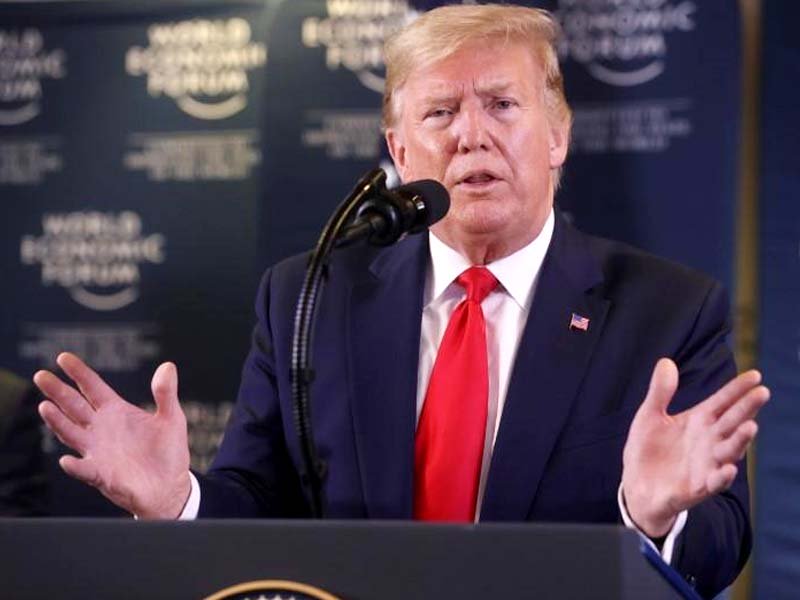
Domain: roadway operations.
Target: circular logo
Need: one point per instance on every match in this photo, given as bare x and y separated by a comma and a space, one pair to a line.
24, 63
272, 589
623, 43
201, 64
94, 255
352, 35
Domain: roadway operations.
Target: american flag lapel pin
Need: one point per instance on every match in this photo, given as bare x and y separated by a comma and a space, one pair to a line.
579, 322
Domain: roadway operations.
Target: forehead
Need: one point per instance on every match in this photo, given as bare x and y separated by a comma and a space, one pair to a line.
491, 66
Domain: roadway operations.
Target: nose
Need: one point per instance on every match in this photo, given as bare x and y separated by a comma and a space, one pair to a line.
472, 128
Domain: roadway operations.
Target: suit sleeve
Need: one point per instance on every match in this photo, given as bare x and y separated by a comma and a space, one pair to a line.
253, 474
716, 540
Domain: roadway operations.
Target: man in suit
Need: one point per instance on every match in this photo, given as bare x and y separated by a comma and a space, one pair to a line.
22, 471
496, 369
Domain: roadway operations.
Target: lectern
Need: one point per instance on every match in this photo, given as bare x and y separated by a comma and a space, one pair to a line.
353, 560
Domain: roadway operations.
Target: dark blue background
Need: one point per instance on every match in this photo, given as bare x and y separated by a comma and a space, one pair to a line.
777, 502
679, 202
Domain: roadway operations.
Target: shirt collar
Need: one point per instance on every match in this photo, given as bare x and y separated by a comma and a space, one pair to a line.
517, 272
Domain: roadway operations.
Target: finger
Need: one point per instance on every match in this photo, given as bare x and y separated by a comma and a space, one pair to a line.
733, 448
81, 469
165, 389
97, 391
721, 479
663, 385
744, 409
65, 430
729, 393
68, 399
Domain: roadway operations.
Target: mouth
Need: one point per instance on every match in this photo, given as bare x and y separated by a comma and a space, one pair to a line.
478, 179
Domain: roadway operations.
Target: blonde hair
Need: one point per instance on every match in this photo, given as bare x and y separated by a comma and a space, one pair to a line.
439, 33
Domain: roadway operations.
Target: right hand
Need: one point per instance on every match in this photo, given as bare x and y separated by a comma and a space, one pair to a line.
674, 461
138, 460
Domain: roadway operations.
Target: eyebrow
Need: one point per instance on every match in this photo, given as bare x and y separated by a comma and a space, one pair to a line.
493, 88
449, 93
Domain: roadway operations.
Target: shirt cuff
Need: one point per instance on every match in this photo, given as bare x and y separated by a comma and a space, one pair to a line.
669, 542
192, 507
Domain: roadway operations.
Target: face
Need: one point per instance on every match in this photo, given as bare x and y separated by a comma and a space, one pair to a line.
476, 122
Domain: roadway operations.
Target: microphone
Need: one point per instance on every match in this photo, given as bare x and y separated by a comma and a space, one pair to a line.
388, 215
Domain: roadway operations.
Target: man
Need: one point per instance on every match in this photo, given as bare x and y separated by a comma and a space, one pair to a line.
23, 485
524, 391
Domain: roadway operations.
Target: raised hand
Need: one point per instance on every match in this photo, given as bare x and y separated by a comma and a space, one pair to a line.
673, 462
138, 460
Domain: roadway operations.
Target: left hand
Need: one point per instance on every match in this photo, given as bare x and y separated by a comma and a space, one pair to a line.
673, 462
137, 459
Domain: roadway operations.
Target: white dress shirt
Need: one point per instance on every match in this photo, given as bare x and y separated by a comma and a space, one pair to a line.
506, 311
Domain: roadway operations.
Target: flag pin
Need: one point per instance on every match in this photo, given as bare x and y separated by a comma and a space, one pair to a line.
579, 322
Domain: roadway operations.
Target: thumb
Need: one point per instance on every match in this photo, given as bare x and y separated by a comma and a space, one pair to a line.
165, 389
663, 385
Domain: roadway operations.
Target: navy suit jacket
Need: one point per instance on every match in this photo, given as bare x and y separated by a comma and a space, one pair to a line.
570, 401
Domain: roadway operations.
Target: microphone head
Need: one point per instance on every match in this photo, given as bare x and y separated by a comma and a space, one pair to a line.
431, 201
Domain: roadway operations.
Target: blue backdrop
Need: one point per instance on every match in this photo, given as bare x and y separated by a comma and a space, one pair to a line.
155, 157
777, 551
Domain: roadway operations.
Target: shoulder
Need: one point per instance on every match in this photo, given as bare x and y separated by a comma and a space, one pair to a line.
648, 296
630, 274
345, 268
352, 264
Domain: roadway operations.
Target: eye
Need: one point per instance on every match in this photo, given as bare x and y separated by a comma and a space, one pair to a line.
504, 103
438, 113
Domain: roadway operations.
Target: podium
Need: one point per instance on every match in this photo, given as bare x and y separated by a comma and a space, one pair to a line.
347, 560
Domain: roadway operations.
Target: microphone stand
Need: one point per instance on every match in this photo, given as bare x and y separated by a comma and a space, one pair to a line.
314, 469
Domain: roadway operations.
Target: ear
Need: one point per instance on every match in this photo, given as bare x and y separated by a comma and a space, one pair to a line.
559, 143
397, 151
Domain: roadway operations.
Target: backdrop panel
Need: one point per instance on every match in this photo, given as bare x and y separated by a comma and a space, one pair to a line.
156, 156
655, 89
131, 155
777, 550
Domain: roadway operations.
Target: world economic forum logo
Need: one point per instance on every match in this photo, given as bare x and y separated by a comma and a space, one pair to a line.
203, 65
352, 34
95, 256
24, 63
622, 42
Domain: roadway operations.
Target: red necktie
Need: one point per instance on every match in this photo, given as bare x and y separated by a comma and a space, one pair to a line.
450, 436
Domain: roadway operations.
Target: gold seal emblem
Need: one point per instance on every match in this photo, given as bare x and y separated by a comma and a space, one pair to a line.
272, 589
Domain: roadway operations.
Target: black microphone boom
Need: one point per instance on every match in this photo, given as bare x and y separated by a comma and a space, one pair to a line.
301, 374
385, 217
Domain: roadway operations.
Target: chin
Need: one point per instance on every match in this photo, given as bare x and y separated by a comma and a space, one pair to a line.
483, 220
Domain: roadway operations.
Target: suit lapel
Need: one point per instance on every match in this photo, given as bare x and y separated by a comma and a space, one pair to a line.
384, 318
550, 363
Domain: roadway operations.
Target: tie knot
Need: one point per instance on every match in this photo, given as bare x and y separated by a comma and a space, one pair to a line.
478, 281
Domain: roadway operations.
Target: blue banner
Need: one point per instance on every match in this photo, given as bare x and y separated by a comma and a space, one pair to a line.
158, 156
655, 89
777, 527
131, 151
